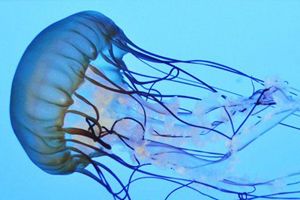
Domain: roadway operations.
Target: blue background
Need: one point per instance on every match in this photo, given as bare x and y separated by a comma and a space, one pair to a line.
258, 37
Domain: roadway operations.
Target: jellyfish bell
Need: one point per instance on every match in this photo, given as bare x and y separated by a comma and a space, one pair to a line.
74, 99
50, 71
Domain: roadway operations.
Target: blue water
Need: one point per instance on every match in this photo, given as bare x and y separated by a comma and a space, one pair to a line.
261, 38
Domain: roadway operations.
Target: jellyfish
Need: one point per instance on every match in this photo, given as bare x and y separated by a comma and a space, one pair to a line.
85, 97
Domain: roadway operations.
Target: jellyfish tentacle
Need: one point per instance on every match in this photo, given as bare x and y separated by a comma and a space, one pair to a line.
68, 112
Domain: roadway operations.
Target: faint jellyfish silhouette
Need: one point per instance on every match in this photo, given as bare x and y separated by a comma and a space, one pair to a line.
68, 113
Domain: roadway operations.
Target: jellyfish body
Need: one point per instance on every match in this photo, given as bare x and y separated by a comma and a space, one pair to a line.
45, 81
67, 112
